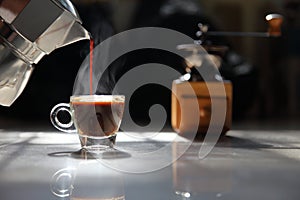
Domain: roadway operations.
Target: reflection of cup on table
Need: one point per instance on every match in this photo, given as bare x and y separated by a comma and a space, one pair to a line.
96, 118
87, 181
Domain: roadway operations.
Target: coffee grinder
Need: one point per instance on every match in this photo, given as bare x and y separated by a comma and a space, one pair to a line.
206, 57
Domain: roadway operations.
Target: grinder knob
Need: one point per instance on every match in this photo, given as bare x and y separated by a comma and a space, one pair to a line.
275, 22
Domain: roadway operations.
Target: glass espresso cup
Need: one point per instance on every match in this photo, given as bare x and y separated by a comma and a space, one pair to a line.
96, 119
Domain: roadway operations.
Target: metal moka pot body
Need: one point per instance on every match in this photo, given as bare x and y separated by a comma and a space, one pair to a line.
29, 30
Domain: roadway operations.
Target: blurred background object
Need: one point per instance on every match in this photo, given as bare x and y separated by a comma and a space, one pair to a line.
263, 71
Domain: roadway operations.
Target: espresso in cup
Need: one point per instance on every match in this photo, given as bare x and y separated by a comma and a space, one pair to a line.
97, 119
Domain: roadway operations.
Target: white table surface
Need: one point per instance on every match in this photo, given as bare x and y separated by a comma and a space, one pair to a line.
246, 164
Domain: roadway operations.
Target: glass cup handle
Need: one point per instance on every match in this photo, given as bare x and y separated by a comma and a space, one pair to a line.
65, 127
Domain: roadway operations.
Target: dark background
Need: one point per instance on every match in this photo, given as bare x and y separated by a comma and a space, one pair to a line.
264, 71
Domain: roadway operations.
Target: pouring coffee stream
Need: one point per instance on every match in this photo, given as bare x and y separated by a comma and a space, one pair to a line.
91, 64
29, 30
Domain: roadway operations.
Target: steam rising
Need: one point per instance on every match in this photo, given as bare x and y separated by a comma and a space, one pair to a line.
82, 81
103, 77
